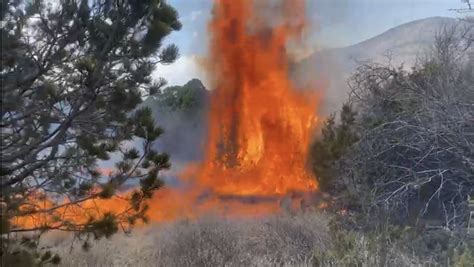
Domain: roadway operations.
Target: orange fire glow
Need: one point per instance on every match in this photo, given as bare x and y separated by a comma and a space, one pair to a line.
260, 125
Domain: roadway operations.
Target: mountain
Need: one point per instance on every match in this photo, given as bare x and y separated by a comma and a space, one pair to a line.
404, 44
182, 110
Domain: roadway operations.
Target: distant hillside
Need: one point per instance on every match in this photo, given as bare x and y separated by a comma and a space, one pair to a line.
403, 44
182, 110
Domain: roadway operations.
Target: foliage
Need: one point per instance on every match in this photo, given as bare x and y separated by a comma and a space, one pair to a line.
189, 97
407, 166
334, 141
409, 155
392, 245
415, 151
72, 74
284, 240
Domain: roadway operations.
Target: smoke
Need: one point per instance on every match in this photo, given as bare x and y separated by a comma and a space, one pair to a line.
245, 151
184, 133
185, 130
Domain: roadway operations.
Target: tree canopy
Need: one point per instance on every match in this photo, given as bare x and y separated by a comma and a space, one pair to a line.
72, 74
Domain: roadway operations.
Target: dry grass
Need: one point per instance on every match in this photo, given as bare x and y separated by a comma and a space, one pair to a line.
283, 240
210, 241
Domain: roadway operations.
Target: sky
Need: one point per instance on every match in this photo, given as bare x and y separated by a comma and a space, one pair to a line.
334, 23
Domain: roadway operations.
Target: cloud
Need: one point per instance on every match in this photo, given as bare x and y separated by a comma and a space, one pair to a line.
193, 16
181, 71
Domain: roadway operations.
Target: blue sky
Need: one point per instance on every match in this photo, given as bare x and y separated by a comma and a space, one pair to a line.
334, 23
345, 22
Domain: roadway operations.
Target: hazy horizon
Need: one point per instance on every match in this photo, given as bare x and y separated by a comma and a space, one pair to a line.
335, 23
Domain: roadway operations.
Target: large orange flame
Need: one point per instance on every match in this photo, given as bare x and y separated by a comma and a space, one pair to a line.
260, 125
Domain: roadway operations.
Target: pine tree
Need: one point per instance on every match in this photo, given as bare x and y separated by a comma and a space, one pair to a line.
72, 74
335, 140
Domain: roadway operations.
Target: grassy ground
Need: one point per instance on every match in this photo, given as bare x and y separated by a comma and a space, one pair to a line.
308, 239
280, 240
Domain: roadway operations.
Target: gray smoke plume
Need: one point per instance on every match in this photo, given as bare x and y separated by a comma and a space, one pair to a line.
182, 113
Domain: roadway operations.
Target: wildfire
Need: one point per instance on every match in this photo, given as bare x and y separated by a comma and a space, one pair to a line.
260, 125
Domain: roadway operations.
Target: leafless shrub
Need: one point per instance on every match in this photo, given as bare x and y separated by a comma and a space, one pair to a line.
415, 153
207, 242
289, 239
220, 242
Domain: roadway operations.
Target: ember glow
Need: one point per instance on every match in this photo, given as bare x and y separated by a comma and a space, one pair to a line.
260, 125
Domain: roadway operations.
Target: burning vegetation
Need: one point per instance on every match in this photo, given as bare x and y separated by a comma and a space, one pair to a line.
399, 157
260, 125
260, 129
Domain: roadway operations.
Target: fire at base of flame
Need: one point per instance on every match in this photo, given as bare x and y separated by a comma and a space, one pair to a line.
260, 125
